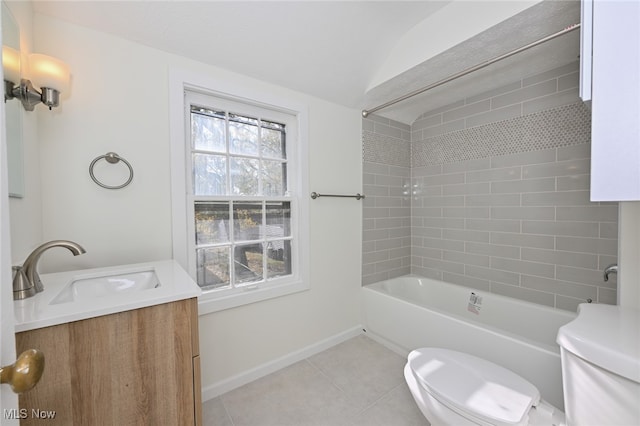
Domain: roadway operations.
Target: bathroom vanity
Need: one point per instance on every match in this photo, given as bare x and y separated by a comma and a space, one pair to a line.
114, 357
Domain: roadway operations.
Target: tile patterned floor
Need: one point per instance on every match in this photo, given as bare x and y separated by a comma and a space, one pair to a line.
356, 383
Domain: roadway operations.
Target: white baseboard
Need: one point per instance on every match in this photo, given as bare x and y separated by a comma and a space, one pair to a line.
387, 343
245, 377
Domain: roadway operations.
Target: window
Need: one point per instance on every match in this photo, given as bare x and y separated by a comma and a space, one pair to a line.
243, 205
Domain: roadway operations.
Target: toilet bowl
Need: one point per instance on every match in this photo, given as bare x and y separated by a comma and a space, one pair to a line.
455, 388
600, 351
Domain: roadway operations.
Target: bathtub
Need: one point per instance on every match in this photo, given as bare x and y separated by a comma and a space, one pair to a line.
410, 312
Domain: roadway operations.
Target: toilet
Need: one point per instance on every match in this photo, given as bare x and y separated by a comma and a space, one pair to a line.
600, 356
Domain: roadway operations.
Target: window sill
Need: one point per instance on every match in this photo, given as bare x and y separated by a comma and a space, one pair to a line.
212, 301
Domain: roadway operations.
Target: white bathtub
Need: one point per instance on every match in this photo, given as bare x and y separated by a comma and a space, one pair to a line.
411, 312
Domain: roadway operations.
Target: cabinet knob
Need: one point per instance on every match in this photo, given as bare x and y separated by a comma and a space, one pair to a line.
25, 373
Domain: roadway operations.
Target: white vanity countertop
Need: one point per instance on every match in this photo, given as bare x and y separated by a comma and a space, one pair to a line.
38, 312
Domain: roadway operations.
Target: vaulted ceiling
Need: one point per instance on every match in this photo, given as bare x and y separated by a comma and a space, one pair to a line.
354, 53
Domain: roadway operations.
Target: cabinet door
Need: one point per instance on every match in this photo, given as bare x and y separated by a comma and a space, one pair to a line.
129, 368
615, 134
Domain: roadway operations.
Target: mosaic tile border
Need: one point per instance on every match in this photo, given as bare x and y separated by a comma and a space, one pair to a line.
553, 128
383, 149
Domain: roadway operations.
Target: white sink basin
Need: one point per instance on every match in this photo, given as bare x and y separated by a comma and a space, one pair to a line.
88, 293
84, 288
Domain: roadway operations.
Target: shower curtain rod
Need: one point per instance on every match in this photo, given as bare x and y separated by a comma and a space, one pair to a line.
366, 112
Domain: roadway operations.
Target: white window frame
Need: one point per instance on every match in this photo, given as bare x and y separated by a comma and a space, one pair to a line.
182, 212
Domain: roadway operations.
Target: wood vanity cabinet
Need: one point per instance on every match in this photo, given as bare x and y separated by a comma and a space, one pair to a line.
138, 367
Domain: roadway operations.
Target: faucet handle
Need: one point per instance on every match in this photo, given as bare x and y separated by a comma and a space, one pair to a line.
22, 288
611, 269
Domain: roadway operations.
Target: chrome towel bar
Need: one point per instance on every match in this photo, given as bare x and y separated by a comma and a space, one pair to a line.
315, 195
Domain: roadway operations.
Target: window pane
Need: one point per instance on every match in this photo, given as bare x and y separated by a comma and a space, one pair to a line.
278, 220
243, 135
241, 205
272, 143
209, 174
248, 263
278, 258
273, 178
212, 222
244, 176
247, 219
212, 267
208, 132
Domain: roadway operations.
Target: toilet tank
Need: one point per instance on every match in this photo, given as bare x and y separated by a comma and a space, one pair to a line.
600, 354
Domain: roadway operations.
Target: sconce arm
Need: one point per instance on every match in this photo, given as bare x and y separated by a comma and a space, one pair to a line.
27, 94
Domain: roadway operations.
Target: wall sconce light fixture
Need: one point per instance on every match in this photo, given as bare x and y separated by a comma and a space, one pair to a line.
51, 75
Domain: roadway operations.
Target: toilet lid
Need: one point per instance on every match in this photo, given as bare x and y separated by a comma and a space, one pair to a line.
473, 386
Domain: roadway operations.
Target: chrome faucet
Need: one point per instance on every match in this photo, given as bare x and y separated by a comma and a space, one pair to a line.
611, 269
31, 264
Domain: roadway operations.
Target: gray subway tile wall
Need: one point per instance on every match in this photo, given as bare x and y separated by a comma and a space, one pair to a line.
492, 192
387, 206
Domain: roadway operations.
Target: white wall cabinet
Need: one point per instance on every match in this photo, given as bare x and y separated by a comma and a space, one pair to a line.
615, 94
586, 45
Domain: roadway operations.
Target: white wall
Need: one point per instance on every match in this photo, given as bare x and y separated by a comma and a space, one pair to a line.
119, 102
629, 254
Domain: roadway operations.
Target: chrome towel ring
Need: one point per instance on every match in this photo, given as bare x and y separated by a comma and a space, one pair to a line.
111, 158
